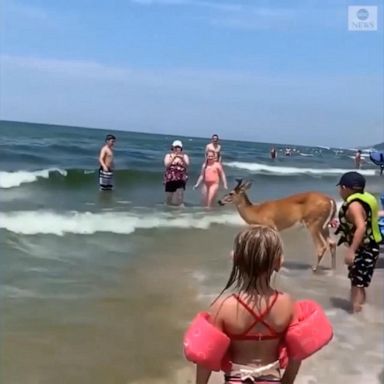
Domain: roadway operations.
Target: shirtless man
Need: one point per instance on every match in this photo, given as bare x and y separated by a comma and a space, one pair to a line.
214, 146
106, 164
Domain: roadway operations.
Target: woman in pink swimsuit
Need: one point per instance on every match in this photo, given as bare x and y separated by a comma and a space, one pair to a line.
211, 174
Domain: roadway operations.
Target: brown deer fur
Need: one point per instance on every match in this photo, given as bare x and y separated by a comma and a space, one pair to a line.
313, 209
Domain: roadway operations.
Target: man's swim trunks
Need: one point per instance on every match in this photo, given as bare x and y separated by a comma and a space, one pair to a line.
105, 180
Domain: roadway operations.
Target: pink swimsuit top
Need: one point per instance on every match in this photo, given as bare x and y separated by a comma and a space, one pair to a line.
211, 174
258, 319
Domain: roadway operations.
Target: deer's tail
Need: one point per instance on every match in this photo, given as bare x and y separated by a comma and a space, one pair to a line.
331, 214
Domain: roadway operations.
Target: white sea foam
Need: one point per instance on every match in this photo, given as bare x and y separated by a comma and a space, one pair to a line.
15, 179
306, 154
288, 171
85, 223
361, 157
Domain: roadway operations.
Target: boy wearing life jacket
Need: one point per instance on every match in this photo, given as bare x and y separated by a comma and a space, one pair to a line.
359, 229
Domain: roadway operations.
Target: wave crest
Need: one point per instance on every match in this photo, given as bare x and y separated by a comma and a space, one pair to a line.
264, 169
73, 178
87, 223
15, 179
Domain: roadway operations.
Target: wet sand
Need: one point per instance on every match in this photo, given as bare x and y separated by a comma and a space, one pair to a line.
131, 330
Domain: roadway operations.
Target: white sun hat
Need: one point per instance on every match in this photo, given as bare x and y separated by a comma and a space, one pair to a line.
177, 143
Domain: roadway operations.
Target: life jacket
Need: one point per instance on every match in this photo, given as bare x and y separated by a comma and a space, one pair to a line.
372, 233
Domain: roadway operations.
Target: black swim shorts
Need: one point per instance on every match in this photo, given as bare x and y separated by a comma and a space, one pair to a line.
361, 271
173, 186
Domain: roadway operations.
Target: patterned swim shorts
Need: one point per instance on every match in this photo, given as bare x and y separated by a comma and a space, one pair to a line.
105, 180
361, 271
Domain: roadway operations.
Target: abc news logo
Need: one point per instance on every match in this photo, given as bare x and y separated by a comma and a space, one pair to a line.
362, 18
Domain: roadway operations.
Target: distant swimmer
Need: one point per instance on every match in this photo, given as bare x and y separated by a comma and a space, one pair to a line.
106, 164
358, 159
273, 153
211, 174
214, 146
176, 174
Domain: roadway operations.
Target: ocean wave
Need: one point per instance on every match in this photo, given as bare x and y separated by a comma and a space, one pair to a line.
306, 154
264, 169
60, 178
15, 179
87, 223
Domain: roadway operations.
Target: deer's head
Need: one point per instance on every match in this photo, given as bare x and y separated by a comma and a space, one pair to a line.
237, 193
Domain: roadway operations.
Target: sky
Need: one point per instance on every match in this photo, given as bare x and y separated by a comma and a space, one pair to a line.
261, 70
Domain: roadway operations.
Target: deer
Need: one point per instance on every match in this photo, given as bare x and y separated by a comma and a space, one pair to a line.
313, 209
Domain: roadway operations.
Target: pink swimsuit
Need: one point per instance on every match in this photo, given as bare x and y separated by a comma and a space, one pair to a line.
211, 174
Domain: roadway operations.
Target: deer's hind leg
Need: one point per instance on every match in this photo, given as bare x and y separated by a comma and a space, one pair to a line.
321, 246
330, 243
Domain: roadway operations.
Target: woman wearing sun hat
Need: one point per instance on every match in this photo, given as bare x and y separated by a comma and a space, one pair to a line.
176, 174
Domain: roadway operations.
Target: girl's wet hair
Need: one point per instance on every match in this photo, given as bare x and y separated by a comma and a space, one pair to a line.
257, 253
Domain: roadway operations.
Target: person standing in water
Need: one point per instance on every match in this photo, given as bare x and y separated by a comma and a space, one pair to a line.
273, 153
256, 315
106, 164
176, 174
358, 159
211, 174
359, 229
214, 146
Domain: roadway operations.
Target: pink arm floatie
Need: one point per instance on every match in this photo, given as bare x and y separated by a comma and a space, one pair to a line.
308, 333
204, 344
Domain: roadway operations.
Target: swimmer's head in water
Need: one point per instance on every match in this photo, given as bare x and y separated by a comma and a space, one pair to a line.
257, 253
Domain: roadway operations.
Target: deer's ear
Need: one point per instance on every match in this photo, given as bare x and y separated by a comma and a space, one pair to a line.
246, 185
238, 185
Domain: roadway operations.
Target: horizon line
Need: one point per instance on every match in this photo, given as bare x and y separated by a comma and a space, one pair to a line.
184, 136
